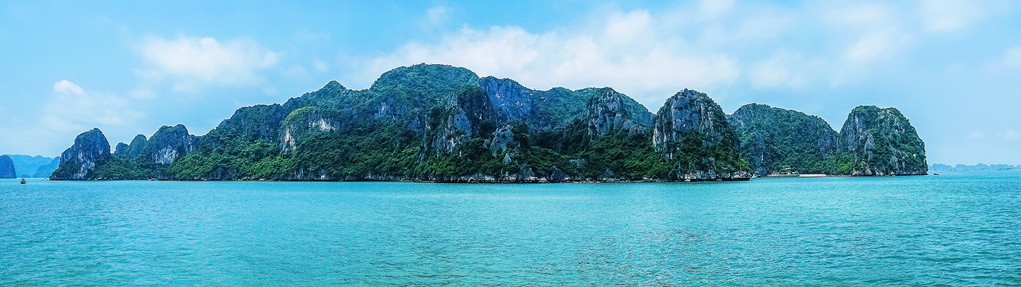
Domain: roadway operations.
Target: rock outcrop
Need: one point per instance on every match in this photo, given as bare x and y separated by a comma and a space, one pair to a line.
444, 123
608, 111
133, 149
775, 140
538, 110
692, 133
467, 114
7, 167
168, 143
881, 141
77, 162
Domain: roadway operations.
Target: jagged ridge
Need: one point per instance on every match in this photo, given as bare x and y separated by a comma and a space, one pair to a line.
444, 123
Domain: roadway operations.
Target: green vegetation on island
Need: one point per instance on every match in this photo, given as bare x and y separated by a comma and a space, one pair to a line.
443, 123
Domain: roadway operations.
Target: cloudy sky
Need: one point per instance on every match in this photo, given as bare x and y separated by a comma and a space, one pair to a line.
128, 67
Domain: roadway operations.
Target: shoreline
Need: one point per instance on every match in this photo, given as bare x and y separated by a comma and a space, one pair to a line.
497, 181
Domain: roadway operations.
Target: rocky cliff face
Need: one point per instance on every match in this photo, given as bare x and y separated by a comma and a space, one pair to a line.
881, 142
538, 110
692, 133
607, 111
777, 140
133, 149
444, 123
467, 114
259, 122
407, 94
89, 150
168, 143
7, 167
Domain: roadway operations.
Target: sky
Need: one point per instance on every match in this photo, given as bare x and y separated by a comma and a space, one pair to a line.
128, 67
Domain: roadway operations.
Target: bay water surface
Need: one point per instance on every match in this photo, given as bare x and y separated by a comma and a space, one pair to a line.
958, 229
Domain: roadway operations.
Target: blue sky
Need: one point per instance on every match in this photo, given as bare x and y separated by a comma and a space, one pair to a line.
129, 67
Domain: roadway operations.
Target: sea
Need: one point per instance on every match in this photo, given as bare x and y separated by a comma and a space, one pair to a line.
949, 229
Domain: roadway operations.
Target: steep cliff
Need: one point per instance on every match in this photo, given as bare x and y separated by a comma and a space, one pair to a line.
692, 133
467, 114
166, 145
880, 141
538, 110
77, 162
607, 111
775, 140
444, 123
7, 167
133, 149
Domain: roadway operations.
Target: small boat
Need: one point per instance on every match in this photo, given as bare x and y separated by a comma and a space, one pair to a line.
22, 181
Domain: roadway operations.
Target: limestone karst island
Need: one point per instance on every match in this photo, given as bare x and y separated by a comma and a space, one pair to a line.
445, 124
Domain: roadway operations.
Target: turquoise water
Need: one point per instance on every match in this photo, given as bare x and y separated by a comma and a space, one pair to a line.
960, 229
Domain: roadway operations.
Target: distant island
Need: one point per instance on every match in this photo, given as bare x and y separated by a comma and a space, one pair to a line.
977, 167
445, 124
25, 166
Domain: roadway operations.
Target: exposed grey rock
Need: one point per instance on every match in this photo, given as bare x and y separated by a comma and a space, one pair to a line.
89, 150
467, 114
502, 138
882, 142
607, 111
692, 133
167, 144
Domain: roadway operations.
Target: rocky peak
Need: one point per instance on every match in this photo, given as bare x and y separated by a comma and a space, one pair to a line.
469, 113
608, 110
259, 122
89, 150
168, 143
332, 87
775, 139
692, 133
133, 149
689, 111
882, 142
432, 77
513, 100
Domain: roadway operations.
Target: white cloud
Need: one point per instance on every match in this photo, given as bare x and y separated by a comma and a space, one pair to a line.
870, 31
142, 93
1009, 135
194, 61
320, 65
620, 57
67, 87
713, 46
782, 70
870, 47
626, 29
949, 15
295, 71
714, 8
436, 16
71, 109
1012, 58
